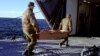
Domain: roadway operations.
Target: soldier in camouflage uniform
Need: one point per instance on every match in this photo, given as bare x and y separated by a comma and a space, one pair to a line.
66, 25
30, 29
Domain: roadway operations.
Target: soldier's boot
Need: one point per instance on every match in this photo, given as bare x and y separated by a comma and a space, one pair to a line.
67, 45
31, 53
60, 44
27, 53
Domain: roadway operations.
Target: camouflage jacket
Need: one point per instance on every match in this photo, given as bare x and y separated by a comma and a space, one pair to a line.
29, 21
66, 24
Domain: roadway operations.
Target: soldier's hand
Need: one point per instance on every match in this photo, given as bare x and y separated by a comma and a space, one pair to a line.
37, 34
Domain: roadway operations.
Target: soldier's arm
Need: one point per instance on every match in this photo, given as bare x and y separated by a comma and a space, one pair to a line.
34, 24
70, 25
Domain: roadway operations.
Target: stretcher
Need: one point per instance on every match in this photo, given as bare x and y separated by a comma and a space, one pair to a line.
53, 34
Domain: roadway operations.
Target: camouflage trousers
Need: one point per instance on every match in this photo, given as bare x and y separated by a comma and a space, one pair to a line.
31, 37
65, 39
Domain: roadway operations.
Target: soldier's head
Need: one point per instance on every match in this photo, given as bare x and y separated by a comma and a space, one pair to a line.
31, 5
68, 15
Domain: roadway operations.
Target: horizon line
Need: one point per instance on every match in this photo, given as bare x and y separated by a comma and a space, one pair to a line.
17, 17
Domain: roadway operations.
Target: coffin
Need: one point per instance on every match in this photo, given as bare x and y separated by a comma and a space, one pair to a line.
52, 34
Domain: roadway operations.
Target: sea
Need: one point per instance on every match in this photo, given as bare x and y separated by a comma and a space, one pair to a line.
10, 27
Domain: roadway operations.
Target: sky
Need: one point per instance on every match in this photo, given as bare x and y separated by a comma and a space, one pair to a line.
15, 8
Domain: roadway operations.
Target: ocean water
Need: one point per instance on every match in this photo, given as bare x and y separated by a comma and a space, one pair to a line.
12, 26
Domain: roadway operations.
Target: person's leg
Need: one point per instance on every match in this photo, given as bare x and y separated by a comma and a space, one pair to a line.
30, 37
26, 52
67, 44
32, 43
65, 40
